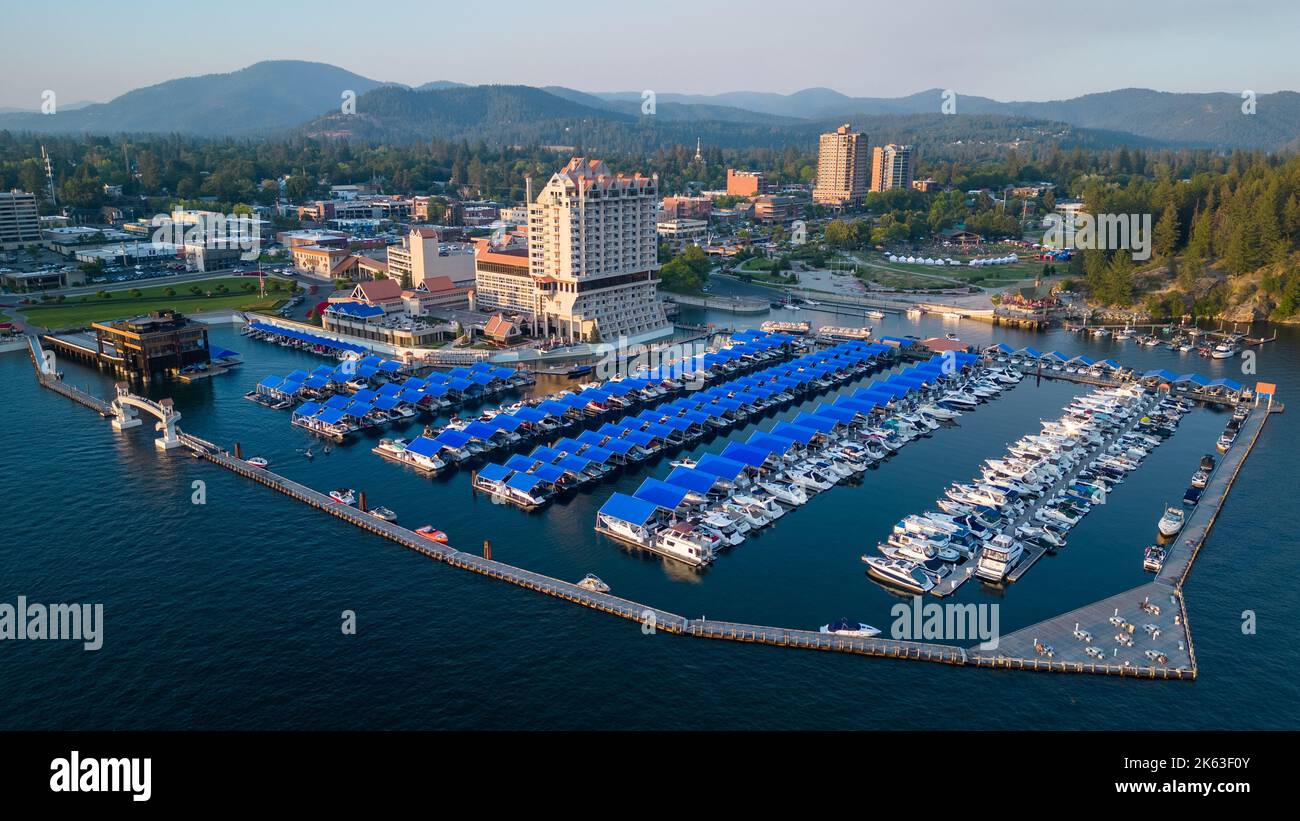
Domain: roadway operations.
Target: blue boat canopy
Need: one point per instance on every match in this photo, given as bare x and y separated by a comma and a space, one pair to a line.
720, 466
424, 446
629, 509
692, 479
745, 454
661, 493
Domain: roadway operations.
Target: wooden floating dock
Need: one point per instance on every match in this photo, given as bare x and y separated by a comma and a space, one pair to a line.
1021, 650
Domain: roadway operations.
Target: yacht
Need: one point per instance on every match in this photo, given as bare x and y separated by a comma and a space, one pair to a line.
998, 557
1223, 350
899, 573
844, 627
1171, 522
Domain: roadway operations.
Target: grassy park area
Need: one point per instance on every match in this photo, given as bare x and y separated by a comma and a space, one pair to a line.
207, 295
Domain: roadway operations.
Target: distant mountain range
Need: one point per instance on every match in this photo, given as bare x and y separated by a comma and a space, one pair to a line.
295, 97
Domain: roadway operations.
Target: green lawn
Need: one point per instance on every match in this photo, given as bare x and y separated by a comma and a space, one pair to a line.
79, 311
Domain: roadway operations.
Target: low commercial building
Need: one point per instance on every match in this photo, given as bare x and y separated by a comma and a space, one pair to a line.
202, 258
319, 260
774, 209
695, 208
24, 282
68, 240
399, 330
679, 233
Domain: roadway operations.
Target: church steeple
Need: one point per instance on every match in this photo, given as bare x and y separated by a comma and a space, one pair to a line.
699, 153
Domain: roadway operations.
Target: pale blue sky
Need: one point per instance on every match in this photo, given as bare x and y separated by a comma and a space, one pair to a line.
1015, 49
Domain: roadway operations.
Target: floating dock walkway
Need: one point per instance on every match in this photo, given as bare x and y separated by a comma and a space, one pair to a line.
1046, 646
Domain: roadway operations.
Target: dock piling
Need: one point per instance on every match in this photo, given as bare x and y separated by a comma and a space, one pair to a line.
487, 549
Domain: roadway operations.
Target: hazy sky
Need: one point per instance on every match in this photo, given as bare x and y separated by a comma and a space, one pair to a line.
1012, 50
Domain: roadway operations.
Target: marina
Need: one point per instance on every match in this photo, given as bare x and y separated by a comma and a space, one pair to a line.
1048, 634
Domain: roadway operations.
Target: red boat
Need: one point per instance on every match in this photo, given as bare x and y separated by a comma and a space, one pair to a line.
428, 532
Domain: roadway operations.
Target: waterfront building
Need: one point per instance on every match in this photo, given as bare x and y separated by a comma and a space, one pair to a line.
158, 342
321, 261
842, 175
891, 167
19, 224
593, 255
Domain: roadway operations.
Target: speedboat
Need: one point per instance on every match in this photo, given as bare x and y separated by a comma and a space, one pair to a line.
344, 496
1200, 479
766, 506
1171, 522
899, 573
383, 513
256, 462
592, 582
844, 627
430, 533
1207, 462
785, 492
1153, 559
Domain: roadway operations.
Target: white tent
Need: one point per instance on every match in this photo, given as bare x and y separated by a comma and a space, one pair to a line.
893, 258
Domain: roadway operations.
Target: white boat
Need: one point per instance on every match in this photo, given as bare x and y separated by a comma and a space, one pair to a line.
686, 543
256, 462
998, 557
785, 492
384, 513
1171, 522
344, 496
844, 627
899, 573
767, 506
1223, 350
1153, 559
592, 582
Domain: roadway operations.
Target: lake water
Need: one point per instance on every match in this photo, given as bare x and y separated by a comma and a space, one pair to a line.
227, 614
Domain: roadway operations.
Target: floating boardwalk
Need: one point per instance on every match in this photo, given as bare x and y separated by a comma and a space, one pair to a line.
1025, 649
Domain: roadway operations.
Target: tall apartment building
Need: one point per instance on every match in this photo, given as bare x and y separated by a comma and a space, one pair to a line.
745, 183
891, 167
593, 256
20, 224
842, 175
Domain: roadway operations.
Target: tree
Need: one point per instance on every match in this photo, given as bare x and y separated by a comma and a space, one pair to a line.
1165, 241
135, 293
169, 292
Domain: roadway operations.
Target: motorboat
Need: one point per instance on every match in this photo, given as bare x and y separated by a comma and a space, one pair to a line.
785, 492
1200, 479
899, 573
766, 506
998, 557
1207, 462
432, 534
1154, 558
344, 496
593, 583
844, 627
1171, 522
384, 513
256, 462
1224, 350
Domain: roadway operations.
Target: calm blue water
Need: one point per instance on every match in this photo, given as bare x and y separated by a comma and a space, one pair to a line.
226, 615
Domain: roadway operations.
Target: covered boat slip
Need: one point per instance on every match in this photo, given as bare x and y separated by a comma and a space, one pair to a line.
764, 453
649, 431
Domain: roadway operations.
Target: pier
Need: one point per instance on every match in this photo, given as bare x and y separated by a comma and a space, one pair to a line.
1153, 616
